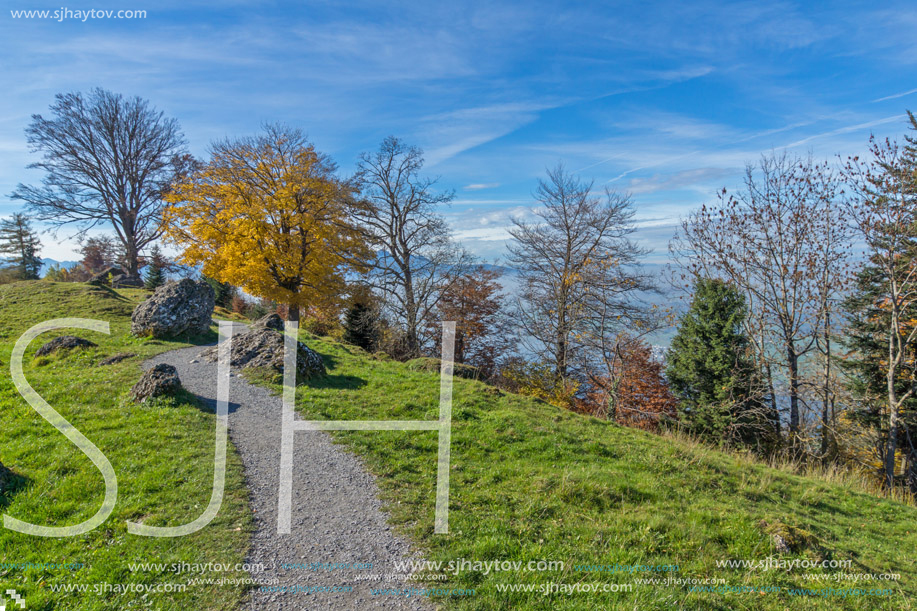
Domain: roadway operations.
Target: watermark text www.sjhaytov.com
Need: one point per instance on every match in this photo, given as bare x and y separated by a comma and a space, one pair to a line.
65, 14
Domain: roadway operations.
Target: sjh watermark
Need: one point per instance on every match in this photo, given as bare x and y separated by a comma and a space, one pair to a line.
289, 427
15, 599
65, 14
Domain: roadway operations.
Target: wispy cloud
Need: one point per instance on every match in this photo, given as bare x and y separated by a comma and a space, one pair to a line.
845, 130
664, 99
678, 180
895, 96
457, 131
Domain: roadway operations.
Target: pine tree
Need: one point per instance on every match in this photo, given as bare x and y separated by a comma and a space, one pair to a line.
710, 370
223, 291
155, 277
156, 269
361, 326
21, 245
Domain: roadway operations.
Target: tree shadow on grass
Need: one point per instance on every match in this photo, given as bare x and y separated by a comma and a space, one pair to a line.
101, 290
204, 404
338, 382
262, 377
10, 484
203, 339
208, 338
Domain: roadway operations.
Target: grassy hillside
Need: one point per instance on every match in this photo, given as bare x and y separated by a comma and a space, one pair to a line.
162, 455
529, 482
532, 482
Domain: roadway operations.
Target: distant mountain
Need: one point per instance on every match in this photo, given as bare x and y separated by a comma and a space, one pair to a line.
47, 263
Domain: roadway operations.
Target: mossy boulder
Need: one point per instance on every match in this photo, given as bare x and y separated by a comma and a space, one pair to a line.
64, 343
426, 363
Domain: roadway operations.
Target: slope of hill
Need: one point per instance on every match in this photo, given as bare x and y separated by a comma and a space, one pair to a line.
529, 482
162, 454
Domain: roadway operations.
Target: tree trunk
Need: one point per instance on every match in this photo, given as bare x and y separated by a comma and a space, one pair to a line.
560, 347
911, 464
410, 305
775, 411
793, 362
826, 392
293, 313
892, 446
131, 252
459, 347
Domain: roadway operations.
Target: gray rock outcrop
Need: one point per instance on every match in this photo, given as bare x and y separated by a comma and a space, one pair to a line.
271, 321
123, 281
262, 348
106, 275
176, 308
64, 342
161, 380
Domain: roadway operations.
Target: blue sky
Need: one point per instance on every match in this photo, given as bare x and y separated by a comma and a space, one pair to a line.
665, 100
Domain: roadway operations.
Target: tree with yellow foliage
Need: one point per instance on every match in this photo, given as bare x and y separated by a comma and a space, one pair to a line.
268, 214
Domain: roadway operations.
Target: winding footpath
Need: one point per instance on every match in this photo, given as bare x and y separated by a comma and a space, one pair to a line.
337, 515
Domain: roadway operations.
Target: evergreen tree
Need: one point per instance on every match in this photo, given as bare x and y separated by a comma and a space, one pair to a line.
710, 370
155, 276
361, 326
223, 292
156, 269
20, 245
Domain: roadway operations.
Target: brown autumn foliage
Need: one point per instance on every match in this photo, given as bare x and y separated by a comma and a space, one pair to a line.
636, 394
475, 302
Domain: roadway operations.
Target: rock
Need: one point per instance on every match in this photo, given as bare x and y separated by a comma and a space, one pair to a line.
123, 281
176, 308
459, 370
116, 358
161, 380
106, 275
780, 544
64, 342
262, 348
271, 321
787, 538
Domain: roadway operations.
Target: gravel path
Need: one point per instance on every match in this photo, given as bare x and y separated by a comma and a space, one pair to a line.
337, 516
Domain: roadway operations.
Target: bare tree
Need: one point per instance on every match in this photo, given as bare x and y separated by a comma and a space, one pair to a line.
415, 260
832, 278
108, 160
576, 267
775, 241
883, 206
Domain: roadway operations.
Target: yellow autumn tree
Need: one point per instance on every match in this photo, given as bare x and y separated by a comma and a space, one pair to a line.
268, 214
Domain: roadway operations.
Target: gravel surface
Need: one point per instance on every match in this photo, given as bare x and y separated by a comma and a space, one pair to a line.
337, 516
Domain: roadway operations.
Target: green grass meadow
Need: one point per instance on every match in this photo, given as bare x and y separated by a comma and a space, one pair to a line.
529, 482
162, 454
